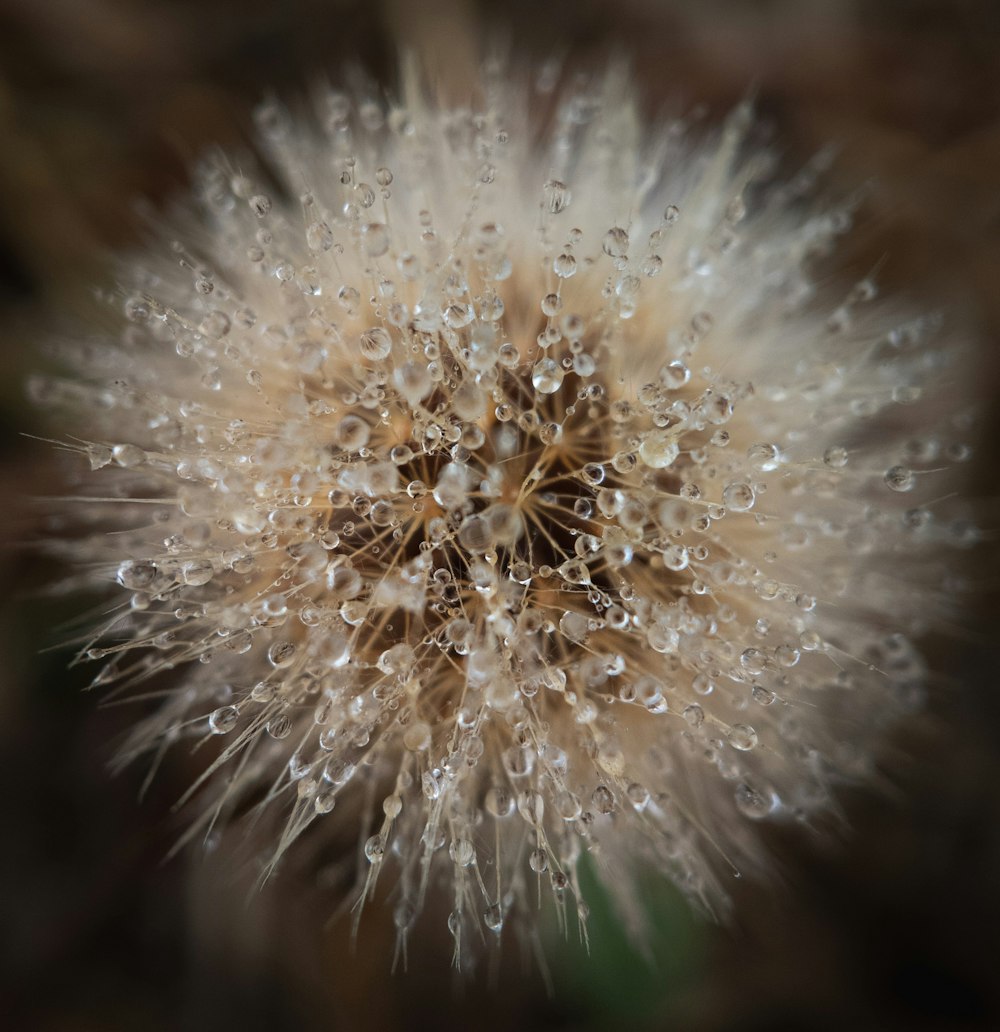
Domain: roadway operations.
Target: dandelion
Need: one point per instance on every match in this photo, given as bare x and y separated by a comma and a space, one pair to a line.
496, 485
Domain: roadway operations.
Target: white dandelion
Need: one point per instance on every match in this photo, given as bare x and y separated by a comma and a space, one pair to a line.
496, 483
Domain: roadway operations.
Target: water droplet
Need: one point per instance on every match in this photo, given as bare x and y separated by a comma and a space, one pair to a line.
474, 534
136, 574
538, 861
753, 661
281, 653
693, 715
398, 659
764, 457
493, 918
458, 314
659, 449
279, 727
531, 806
324, 802
615, 242
417, 737
352, 433
375, 239
197, 572
899, 478
787, 655
498, 801
374, 850
319, 236
676, 557
637, 795
547, 376
738, 497
574, 626
564, 265
674, 375
98, 455
128, 456
349, 299
462, 852
575, 572
835, 457
651, 265
742, 737
375, 344
223, 720
662, 639
556, 195
755, 802
137, 309
551, 304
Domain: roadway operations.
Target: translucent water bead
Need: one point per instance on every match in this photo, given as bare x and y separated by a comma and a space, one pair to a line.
547, 376
659, 449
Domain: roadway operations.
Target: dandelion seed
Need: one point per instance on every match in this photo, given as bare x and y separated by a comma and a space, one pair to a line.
533, 503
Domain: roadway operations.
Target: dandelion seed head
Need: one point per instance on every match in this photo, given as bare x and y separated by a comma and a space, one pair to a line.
507, 477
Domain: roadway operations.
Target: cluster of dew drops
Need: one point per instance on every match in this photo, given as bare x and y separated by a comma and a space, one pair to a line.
439, 558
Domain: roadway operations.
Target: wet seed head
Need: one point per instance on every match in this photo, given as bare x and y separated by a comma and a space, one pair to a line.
521, 488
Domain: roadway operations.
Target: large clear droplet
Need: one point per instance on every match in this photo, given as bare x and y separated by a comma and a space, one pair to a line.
615, 243
376, 344
557, 196
742, 737
659, 449
899, 478
375, 239
564, 265
547, 376
223, 720
738, 497
755, 801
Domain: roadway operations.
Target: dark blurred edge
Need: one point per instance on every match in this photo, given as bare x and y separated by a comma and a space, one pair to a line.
105, 101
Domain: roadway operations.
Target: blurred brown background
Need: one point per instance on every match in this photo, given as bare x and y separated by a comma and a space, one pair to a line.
106, 101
